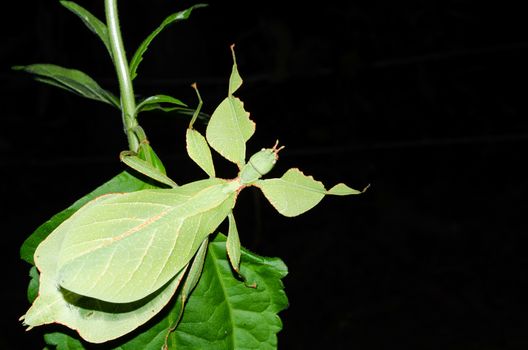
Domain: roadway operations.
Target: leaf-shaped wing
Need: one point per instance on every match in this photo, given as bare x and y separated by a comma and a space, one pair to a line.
123, 182
129, 245
95, 321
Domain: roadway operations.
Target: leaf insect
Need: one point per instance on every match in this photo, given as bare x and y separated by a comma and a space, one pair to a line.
119, 259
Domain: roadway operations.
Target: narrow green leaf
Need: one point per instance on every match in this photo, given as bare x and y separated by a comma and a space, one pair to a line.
175, 17
199, 151
62, 341
233, 244
156, 101
72, 80
93, 23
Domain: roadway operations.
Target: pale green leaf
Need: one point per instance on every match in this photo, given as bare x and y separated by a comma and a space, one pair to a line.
143, 237
72, 80
93, 23
294, 193
175, 17
233, 243
199, 151
229, 129
158, 101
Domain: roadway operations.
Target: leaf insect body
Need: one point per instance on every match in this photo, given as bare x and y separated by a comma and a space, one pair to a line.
119, 259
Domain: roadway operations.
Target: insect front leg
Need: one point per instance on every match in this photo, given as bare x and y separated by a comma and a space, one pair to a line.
132, 160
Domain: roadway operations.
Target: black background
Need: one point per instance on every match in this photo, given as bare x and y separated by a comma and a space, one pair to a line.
426, 101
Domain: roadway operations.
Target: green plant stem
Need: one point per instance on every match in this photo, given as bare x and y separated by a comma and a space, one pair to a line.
128, 101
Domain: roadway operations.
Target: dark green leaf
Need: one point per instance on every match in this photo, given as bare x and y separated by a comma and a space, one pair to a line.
33, 287
124, 182
72, 80
175, 17
92, 22
157, 101
62, 341
223, 311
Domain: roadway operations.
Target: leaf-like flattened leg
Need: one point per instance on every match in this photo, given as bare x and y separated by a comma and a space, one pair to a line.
145, 168
295, 193
192, 278
230, 126
233, 244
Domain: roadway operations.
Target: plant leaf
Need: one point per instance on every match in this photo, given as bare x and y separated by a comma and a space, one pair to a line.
93, 23
143, 237
156, 101
223, 313
124, 182
230, 127
199, 151
175, 17
33, 287
63, 341
72, 80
